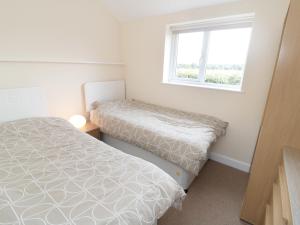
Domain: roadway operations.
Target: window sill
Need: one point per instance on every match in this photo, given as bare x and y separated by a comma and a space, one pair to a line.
210, 87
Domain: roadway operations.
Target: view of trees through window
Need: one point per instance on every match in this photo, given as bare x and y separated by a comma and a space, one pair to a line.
216, 57
216, 74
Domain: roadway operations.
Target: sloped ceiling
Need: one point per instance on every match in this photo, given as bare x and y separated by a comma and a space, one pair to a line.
126, 10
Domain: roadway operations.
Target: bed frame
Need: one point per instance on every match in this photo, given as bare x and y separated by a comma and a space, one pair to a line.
22, 103
115, 90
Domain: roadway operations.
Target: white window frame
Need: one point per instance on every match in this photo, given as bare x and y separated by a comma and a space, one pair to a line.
206, 26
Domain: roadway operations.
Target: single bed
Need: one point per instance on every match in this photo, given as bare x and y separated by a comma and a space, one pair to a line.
176, 141
51, 173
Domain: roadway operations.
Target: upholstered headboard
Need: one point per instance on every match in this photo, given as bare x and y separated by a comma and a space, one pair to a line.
22, 103
103, 91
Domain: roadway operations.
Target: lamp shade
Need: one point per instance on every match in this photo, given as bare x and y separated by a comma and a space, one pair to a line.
78, 121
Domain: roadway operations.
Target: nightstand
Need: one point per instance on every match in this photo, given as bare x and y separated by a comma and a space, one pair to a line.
92, 130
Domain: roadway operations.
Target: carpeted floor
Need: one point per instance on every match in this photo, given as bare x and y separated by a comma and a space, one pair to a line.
214, 198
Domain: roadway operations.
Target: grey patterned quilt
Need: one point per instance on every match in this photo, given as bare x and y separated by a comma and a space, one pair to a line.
51, 173
179, 137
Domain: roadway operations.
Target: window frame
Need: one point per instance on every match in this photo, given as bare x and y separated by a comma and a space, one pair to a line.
205, 26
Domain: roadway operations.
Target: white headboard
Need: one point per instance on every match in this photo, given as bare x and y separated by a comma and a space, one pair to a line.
22, 103
103, 91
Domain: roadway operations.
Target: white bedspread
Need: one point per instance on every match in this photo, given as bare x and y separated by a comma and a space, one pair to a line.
51, 173
179, 137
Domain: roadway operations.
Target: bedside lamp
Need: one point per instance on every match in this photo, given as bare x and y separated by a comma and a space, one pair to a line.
78, 121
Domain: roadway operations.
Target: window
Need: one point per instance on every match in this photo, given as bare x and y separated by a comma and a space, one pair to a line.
209, 53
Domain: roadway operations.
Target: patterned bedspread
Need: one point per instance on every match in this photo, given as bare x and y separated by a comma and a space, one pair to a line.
51, 173
179, 137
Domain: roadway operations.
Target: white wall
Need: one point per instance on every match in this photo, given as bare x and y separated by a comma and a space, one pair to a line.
59, 30
143, 49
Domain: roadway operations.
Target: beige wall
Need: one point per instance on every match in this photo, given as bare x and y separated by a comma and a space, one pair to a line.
83, 31
58, 30
143, 49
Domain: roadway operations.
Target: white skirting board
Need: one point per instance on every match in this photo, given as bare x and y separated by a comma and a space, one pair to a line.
230, 162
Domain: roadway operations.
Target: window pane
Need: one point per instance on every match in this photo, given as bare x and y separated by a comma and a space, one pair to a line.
227, 52
189, 55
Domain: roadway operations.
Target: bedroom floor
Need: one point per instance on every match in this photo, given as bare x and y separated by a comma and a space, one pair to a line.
215, 198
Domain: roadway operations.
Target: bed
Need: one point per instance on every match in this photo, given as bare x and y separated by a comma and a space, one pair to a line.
176, 141
52, 173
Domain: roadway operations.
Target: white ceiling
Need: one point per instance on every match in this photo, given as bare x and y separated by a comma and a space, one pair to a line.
133, 9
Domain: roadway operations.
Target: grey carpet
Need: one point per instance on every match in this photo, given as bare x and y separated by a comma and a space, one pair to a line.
214, 198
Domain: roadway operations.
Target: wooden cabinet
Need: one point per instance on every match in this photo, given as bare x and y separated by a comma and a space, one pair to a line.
280, 126
283, 207
92, 130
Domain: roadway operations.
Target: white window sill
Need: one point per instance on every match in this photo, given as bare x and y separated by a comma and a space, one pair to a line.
205, 86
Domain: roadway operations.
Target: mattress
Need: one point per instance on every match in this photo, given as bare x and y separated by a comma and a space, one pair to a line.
176, 136
51, 173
